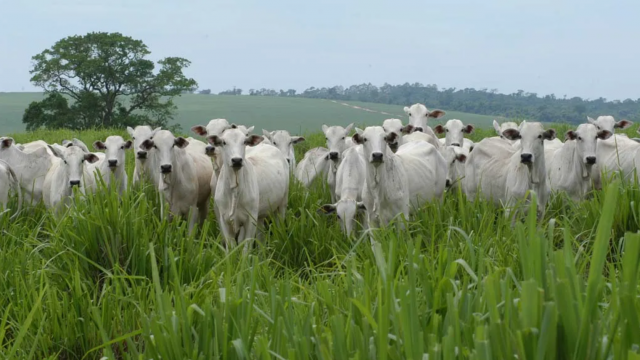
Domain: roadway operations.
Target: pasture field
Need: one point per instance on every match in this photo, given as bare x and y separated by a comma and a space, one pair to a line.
297, 115
111, 279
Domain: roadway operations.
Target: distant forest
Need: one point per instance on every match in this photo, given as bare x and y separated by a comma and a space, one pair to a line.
519, 105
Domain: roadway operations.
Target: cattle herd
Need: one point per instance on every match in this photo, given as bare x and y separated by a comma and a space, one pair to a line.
374, 175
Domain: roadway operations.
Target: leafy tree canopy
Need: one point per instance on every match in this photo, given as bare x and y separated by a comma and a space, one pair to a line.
104, 80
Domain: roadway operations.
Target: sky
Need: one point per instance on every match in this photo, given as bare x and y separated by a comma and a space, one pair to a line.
585, 48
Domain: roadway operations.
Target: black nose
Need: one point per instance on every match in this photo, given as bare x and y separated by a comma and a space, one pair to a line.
455, 144
165, 169
113, 163
142, 154
209, 150
591, 160
376, 157
419, 128
448, 183
333, 155
74, 182
526, 158
236, 162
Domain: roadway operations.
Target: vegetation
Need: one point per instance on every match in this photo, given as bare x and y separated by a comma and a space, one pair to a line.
111, 279
109, 81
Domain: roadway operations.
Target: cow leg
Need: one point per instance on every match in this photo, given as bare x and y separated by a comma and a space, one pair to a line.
203, 210
225, 230
193, 218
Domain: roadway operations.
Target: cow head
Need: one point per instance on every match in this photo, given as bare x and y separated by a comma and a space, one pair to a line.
374, 144
419, 116
73, 160
139, 135
165, 144
586, 137
500, 128
607, 122
394, 130
532, 136
114, 148
233, 143
454, 131
455, 156
336, 143
283, 141
345, 210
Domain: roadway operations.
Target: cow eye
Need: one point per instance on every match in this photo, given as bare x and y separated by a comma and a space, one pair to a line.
225, 143
409, 114
364, 139
447, 130
343, 138
339, 218
122, 147
133, 138
580, 138
65, 162
274, 143
539, 136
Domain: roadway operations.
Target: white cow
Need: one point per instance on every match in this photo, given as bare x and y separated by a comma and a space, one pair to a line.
455, 157
570, 167
616, 153
454, 131
506, 173
398, 183
336, 143
8, 181
314, 164
253, 184
33, 145
184, 177
607, 122
31, 168
419, 117
67, 172
76, 142
111, 164
283, 140
350, 180
145, 166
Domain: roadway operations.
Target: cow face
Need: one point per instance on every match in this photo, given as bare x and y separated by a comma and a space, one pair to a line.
283, 141
73, 159
419, 116
586, 137
139, 135
233, 143
346, 211
608, 123
374, 143
114, 148
394, 130
532, 136
336, 143
455, 157
165, 144
454, 131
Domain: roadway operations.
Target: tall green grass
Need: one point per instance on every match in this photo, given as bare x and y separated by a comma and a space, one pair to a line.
111, 279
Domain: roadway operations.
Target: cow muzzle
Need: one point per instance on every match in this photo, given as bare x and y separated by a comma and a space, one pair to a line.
333, 155
113, 163
590, 160
210, 150
377, 158
455, 144
73, 183
418, 128
142, 154
394, 146
236, 163
526, 158
165, 169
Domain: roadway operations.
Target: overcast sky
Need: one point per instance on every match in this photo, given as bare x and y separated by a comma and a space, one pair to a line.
584, 48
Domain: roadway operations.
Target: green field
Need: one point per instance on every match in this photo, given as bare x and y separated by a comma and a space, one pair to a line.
113, 280
297, 115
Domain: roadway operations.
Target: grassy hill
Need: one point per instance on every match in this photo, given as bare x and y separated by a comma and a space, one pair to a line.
294, 114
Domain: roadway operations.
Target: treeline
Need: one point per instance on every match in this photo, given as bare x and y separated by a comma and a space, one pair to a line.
520, 105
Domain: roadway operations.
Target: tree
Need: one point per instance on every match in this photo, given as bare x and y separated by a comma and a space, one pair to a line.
109, 81
205, 92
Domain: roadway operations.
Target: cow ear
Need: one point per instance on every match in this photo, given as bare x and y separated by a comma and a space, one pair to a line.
180, 142
66, 143
130, 131
56, 151
266, 134
153, 133
623, 124
439, 129
469, 129
461, 157
496, 126
127, 144
511, 134
199, 130
550, 134
358, 139
234, 126
360, 206
91, 158
347, 130
590, 120
147, 145
436, 114
407, 110
570, 135
215, 140
391, 138
604, 134
324, 128
407, 129
253, 140
99, 145
297, 139
249, 130
327, 209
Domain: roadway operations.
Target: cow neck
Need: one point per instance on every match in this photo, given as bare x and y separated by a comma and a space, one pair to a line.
576, 162
377, 175
62, 181
237, 180
118, 173
176, 176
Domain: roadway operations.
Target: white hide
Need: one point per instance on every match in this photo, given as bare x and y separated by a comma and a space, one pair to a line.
337, 144
67, 172
253, 184
145, 166
283, 140
8, 181
419, 117
350, 180
617, 153
30, 168
570, 167
454, 131
110, 166
398, 183
506, 173
315, 164
183, 177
